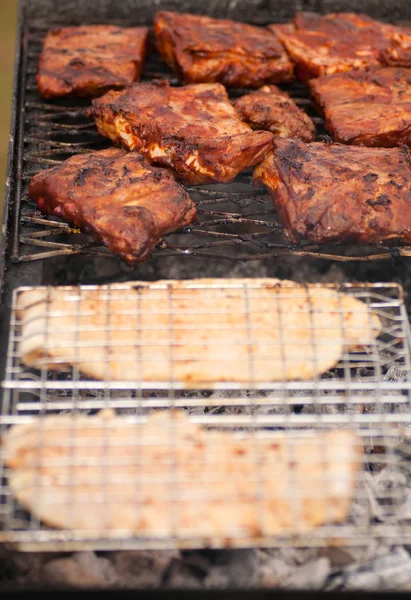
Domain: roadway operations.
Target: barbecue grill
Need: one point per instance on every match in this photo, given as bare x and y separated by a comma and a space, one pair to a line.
238, 225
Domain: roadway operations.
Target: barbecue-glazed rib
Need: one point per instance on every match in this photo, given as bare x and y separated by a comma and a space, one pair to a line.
336, 193
366, 108
117, 197
193, 129
89, 60
202, 49
337, 42
271, 109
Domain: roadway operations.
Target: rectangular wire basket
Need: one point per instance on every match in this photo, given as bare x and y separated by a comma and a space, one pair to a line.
210, 474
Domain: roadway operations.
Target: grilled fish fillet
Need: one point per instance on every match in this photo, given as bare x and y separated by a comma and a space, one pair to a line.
202, 49
171, 477
195, 334
194, 129
89, 60
273, 110
336, 193
117, 197
337, 42
366, 108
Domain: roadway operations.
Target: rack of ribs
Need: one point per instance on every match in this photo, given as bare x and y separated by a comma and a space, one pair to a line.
336, 193
201, 49
274, 110
89, 60
193, 129
366, 108
117, 197
337, 42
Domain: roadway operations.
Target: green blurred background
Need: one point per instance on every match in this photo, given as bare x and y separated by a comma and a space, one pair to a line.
8, 16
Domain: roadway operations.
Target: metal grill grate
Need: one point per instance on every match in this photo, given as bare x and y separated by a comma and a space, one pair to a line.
237, 222
368, 392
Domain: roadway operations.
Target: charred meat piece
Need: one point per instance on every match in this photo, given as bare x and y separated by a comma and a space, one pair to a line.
193, 129
117, 197
273, 110
89, 60
202, 49
337, 193
338, 42
366, 108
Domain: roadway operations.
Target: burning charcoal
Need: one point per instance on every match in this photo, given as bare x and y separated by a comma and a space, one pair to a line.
234, 569
143, 568
82, 569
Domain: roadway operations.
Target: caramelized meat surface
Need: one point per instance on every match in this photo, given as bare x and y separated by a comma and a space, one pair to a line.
89, 60
399, 52
271, 109
194, 130
366, 108
117, 197
336, 193
202, 49
337, 42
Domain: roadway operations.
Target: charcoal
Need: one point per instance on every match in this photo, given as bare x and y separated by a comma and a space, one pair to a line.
83, 569
235, 569
142, 569
309, 576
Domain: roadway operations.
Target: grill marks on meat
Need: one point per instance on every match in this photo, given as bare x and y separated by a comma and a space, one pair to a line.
371, 108
194, 130
271, 109
337, 42
336, 193
89, 60
202, 49
117, 197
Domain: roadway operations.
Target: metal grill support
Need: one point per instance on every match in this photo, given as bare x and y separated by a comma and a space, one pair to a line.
368, 392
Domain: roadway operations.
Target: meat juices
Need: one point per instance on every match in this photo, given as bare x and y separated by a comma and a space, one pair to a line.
193, 129
201, 49
117, 197
335, 193
89, 60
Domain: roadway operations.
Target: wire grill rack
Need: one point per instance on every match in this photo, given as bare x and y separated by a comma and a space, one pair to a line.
368, 392
237, 222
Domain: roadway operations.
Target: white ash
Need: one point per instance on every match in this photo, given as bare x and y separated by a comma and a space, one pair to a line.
391, 571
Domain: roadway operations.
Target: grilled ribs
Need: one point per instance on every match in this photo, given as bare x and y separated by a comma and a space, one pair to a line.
366, 108
335, 193
337, 42
201, 49
271, 109
117, 197
192, 129
89, 60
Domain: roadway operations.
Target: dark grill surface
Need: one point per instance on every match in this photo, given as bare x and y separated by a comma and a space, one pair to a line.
237, 222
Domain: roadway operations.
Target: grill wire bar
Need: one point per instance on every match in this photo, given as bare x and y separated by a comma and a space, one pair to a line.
237, 222
368, 392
